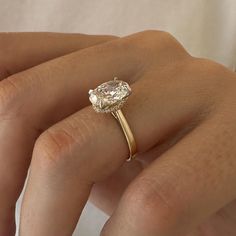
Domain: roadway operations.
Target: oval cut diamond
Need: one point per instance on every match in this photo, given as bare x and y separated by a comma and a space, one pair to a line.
109, 96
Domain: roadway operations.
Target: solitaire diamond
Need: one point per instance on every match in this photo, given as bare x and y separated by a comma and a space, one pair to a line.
109, 96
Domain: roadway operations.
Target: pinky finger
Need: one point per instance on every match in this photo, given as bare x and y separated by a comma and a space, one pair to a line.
180, 189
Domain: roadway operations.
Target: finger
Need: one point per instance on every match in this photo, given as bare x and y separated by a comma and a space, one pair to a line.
106, 194
79, 151
183, 187
20, 51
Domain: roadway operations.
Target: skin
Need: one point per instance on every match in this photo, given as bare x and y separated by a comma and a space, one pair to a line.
182, 114
19, 52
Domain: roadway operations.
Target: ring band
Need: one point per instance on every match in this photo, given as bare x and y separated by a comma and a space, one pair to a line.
127, 132
109, 97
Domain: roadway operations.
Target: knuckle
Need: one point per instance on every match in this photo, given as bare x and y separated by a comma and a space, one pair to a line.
53, 145
213, 77
59, 144
155, 37
150, 33
151, 206
154, 43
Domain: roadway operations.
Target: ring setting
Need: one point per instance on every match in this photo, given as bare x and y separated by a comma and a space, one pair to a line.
110, 97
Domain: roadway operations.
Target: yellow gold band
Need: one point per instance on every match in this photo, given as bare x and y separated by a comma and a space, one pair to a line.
127, 132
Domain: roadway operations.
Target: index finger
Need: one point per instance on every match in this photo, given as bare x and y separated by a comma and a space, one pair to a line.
20, 51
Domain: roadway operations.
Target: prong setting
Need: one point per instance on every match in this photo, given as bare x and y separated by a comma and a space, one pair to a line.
109, 96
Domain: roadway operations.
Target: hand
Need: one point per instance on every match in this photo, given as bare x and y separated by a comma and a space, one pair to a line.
182, 114
18, 52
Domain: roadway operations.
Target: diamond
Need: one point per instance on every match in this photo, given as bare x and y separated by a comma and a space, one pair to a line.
109, 96
93, 98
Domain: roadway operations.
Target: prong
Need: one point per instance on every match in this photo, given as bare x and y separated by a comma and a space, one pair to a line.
90, 91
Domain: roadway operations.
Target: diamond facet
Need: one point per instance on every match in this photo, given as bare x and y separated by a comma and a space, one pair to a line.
109, 96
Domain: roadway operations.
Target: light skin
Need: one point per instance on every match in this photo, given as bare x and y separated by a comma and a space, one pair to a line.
182, 113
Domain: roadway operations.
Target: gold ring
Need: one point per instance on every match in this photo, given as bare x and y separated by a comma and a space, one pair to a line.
110, 97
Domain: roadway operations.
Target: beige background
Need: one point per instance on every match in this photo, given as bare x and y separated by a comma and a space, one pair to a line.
207, 28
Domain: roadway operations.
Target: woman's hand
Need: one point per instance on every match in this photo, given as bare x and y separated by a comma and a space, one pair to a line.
182, 113
18, 52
